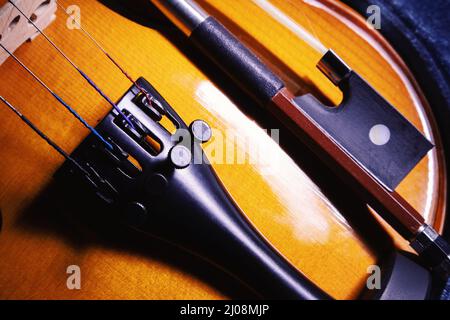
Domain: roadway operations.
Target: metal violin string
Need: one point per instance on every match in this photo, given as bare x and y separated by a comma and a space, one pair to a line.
43, 136
154, 103
84, 75
58, 98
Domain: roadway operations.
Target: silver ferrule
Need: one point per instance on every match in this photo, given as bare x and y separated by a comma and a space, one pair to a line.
185, 14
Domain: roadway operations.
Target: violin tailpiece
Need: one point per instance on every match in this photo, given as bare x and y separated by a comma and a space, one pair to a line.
15, 29
172, 193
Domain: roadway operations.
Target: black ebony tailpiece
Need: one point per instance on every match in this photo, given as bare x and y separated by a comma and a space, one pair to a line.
161, 183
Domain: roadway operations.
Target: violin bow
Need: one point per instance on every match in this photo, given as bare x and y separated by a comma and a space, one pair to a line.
367, 142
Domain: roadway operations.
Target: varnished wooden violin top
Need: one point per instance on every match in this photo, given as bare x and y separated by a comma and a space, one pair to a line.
312, 223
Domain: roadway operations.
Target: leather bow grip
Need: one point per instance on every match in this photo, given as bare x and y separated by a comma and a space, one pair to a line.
236, 60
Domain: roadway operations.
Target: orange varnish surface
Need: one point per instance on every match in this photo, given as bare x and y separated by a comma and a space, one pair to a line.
281, 200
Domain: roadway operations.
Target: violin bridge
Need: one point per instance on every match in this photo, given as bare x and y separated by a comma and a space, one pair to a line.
15, 28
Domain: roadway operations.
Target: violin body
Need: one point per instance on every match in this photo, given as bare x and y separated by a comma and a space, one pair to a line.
295, 204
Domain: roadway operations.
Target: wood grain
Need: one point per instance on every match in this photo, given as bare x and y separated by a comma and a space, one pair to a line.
282, 201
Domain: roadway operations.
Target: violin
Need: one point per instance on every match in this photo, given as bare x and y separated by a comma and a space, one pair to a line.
294, 201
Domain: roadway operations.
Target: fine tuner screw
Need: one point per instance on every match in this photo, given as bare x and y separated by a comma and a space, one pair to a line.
201, 131
180, 156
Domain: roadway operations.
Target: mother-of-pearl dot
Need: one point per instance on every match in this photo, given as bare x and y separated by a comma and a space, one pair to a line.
380, 134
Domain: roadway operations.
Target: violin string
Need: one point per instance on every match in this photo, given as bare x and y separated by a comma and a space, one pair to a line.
58, 98
43, 136
290, 24
97, 44
84, 75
